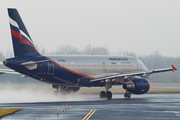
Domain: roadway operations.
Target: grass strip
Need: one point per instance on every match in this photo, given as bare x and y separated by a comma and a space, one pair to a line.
122, 91
8, 111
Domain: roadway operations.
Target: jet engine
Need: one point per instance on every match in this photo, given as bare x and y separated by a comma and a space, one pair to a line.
137, 86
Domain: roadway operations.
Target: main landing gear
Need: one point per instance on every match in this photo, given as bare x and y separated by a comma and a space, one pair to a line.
60, 89
107, 94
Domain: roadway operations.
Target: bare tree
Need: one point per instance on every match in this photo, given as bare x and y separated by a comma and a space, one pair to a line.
9, 54
95, 50
126, 53
2, 57
67, 49
40, 49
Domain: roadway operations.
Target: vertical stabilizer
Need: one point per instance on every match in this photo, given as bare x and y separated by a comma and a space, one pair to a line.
22, 42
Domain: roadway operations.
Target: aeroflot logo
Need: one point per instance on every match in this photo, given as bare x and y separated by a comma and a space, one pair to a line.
118, 59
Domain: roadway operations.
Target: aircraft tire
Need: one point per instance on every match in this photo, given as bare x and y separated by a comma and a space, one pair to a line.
127, 95
109, 95
102, 94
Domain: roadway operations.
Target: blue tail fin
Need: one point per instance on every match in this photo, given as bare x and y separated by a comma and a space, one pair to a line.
22, 42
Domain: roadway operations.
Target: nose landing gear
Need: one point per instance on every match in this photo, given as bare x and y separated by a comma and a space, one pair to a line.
127, 94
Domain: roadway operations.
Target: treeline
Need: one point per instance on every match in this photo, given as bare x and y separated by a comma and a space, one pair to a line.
152, 61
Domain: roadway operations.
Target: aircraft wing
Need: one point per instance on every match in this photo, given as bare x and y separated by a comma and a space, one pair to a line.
130, 75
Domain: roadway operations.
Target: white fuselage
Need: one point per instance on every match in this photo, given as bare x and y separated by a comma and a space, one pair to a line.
99, 64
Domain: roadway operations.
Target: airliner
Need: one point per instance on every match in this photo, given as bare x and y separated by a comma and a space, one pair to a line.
68, 73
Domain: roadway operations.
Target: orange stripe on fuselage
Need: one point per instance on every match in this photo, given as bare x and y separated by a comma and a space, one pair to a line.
77, 73
71, 70
78, 81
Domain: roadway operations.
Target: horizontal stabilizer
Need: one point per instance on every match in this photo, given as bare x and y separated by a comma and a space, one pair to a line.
31, 65
34, 62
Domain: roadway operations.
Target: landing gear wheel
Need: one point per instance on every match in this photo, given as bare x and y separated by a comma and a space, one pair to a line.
109, 95
102, 94
127, 95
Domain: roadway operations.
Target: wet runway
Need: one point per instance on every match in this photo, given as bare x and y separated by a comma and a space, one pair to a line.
139, 107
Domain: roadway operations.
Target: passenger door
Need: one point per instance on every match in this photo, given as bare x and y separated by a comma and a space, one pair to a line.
104, 66
50, 67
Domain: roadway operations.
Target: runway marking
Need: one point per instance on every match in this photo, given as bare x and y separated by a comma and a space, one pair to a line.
89, 115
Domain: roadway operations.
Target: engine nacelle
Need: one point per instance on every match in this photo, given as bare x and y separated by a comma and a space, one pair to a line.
137, 86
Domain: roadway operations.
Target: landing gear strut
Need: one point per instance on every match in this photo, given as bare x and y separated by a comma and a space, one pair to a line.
107, 94
127, 94
59, 89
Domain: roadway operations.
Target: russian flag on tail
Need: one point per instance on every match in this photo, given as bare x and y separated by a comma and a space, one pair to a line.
22, 42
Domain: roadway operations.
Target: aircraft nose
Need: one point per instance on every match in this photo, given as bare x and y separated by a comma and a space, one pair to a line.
5, 62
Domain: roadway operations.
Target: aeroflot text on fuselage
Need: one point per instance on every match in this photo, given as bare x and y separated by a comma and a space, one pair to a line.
118, 59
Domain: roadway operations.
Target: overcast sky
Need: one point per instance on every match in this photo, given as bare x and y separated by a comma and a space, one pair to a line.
138, 26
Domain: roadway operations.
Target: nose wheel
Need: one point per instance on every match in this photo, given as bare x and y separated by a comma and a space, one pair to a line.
127, 94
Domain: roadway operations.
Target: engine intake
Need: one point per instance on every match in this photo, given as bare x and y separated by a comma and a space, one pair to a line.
137, 86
